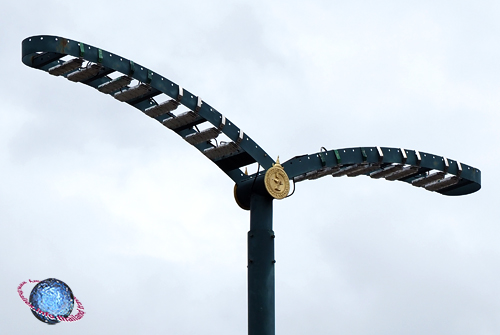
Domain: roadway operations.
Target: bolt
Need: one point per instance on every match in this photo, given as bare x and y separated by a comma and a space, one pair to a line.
273, 236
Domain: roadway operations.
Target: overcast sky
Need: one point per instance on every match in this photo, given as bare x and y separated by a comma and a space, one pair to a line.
144, 228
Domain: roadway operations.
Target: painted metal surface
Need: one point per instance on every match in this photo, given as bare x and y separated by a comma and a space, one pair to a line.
44, 52
261, 291
334, 162
470, 177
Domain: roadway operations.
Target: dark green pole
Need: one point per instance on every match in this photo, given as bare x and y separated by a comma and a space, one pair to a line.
261, 319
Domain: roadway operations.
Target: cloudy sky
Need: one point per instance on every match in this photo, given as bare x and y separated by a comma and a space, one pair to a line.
144, 228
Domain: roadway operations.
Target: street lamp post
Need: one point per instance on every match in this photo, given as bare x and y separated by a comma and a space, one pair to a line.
98, 68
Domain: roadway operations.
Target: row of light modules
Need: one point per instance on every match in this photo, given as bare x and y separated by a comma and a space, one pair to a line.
226, 154
432, 181
120, 90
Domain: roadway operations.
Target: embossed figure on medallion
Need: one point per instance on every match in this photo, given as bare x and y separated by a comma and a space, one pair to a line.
278, 182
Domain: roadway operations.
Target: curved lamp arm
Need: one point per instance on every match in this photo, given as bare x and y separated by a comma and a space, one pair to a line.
44, 52
421, 169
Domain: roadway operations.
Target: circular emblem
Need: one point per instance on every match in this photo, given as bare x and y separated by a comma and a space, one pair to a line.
52, 296
51, 301
277, 182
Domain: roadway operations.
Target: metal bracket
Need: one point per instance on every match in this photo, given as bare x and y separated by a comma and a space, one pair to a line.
363, 154
240, 137
322, 159
459, 166
99, 56
132, 68
198, 104
419, 158
82, 49
222, 122
446, 165
337, 157
380, 155
180, 94
403, 153
150, 77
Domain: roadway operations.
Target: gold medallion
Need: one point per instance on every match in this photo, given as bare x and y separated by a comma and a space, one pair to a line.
276, 181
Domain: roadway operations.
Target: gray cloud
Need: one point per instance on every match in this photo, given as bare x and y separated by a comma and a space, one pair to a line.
145, 230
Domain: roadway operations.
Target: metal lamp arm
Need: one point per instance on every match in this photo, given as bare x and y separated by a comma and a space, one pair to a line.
45, 53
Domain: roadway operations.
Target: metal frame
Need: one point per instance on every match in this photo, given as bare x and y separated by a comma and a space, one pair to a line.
428, 171
44, 52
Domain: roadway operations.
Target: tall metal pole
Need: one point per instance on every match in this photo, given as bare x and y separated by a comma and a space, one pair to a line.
261, 312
